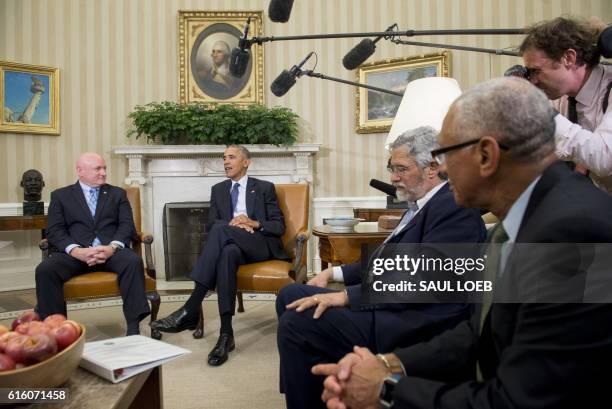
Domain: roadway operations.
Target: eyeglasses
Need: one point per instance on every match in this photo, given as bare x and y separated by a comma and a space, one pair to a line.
397, 169
439, 155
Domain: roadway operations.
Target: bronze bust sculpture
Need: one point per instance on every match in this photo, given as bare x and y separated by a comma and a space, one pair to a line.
32, 183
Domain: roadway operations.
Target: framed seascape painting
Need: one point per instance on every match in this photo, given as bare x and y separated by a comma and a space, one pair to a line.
29, 98
206, 40
374, 110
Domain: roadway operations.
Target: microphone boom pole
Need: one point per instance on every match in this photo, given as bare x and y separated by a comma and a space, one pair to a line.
310, 73
496, 51
409, 33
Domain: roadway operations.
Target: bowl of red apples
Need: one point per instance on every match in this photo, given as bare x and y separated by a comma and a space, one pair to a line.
39, 354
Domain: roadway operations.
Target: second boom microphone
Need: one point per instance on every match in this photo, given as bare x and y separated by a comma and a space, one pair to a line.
240, 56
362, 51
286, 79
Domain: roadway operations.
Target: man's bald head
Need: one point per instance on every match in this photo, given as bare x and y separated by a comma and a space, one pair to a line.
91, 169
501, 137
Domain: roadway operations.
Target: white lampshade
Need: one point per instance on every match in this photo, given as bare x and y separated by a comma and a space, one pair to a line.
425, 103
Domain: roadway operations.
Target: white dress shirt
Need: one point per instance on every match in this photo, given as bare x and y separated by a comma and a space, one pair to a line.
512, 221
590, 141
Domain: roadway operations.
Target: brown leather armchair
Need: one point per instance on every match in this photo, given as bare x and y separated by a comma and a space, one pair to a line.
103, 284
272, 275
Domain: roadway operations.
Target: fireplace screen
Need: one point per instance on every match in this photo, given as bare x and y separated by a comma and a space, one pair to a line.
184, 237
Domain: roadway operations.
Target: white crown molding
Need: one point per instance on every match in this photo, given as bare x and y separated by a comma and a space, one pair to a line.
14, 209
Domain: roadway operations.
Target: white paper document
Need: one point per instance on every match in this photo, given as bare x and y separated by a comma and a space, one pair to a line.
119, 358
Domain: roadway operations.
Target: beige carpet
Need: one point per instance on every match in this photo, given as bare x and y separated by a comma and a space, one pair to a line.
249, 379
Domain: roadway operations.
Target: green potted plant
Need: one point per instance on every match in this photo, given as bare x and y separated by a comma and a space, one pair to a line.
168, 122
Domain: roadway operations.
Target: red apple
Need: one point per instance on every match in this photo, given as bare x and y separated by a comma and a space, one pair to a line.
54, 320
75, 324
27, 316
6, 363
5, 338
3, 329
14, 348
32, 328
39, 347
65, 335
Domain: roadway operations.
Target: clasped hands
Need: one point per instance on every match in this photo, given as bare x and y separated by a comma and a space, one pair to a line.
245, 223
92, 255
354, 382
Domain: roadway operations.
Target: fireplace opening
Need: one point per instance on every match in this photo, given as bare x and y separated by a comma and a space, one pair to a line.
185, 233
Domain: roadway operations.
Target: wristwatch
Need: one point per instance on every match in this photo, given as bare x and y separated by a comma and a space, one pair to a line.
115, 247
386, 392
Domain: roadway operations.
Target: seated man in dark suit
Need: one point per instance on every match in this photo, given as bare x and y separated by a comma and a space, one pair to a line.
245, 225
497, 145
91, 225
320, 325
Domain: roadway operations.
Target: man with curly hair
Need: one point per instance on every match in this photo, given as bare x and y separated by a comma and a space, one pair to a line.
562, 58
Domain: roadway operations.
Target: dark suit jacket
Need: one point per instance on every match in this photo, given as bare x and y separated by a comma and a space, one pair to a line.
261, 204
532, 355
70, 221
441, 220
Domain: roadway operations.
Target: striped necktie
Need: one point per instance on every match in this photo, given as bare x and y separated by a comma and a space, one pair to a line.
491, 273
408, 215
92, 200
572, 115
491, 270
234, 195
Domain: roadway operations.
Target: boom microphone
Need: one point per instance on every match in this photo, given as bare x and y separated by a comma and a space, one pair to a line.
362, 51
384, 187
279, 10
286, 79
240, 56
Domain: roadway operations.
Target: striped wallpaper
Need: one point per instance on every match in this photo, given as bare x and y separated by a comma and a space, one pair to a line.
114, 54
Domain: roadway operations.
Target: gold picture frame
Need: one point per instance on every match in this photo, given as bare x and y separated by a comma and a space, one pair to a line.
29, 98
375, 110
204, 78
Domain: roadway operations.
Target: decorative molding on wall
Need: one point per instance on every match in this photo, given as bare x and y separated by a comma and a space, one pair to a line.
15, 209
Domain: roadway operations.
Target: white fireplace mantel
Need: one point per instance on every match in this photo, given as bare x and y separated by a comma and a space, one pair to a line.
185, 173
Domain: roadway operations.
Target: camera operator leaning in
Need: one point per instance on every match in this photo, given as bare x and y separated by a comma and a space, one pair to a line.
562, 58
530, 355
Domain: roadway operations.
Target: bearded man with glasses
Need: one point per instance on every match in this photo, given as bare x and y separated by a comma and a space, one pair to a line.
317, 324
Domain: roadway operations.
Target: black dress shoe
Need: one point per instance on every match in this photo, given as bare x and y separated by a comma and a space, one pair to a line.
219, 353
178, 321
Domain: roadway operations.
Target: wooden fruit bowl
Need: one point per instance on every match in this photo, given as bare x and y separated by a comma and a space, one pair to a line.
50, 373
